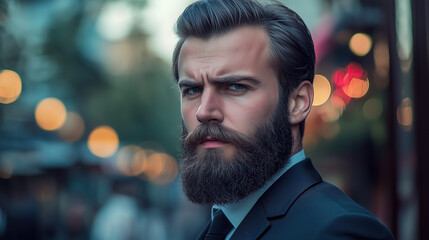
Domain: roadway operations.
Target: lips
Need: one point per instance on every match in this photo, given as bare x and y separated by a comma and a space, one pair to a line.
210, 142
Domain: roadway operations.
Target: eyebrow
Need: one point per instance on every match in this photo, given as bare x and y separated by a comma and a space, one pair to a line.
228, 79
187, 83
232, 79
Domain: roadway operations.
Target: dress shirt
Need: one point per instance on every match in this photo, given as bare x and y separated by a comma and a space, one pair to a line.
236, 212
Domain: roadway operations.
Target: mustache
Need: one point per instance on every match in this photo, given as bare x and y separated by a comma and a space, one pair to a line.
217, 132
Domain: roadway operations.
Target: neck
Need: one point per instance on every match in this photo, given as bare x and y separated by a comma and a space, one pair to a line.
297, 140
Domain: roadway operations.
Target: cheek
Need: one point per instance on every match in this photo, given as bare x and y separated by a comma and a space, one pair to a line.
261, 112
247, 116
188, 116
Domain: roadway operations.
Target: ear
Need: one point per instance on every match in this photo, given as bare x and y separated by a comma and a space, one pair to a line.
300, 102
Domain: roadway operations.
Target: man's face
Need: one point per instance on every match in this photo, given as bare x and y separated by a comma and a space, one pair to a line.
227, 80
236, 133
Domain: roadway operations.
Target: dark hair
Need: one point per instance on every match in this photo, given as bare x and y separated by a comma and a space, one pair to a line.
291, 45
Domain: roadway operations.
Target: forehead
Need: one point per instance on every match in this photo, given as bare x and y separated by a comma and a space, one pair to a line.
242, 49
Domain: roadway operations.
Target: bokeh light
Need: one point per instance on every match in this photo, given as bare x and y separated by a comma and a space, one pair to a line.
360, 44
355, 70
372, 109
131, 160
103, 141
142, 157
404, 113
351, 82
357, 88
161, 169
115, 21
322, 90
339, 78
50, 114
10, 86
73, 128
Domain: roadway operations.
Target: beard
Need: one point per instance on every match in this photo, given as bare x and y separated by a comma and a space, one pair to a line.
209, 178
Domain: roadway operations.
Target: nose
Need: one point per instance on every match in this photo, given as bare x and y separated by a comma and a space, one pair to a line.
210, 109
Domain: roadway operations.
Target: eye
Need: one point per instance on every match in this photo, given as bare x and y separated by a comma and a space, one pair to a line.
236, 87
191, 91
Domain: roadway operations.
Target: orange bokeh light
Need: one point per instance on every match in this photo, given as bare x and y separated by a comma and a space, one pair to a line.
161, 168
357, 88
131, 160
50, 114
103, 141
322, 90
360, 44
10, 86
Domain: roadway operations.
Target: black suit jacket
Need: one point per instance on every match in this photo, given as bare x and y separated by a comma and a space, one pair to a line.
300, 205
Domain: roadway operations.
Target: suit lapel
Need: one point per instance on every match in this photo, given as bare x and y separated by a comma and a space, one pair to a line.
253, 225
281, 195
277, 200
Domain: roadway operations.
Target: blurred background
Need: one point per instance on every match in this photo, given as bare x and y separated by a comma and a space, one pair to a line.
90, 118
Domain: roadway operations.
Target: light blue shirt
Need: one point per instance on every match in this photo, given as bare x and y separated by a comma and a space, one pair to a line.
236, 212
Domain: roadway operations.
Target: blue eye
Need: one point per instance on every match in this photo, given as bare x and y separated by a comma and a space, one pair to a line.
237, 87
191, 91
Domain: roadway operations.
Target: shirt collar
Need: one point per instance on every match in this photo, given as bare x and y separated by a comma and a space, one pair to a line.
236, 212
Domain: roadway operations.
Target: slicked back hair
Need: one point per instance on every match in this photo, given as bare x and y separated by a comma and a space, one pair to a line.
291, 46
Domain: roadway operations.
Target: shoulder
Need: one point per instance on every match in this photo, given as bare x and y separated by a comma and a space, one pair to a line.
353, 226
325, 212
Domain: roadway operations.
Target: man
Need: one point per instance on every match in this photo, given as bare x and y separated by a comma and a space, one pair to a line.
245, 73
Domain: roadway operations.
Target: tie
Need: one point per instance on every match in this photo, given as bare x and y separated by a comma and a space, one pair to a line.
219, 227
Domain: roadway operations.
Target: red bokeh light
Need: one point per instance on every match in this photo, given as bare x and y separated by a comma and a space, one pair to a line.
340, 78
354, 70
343, 78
